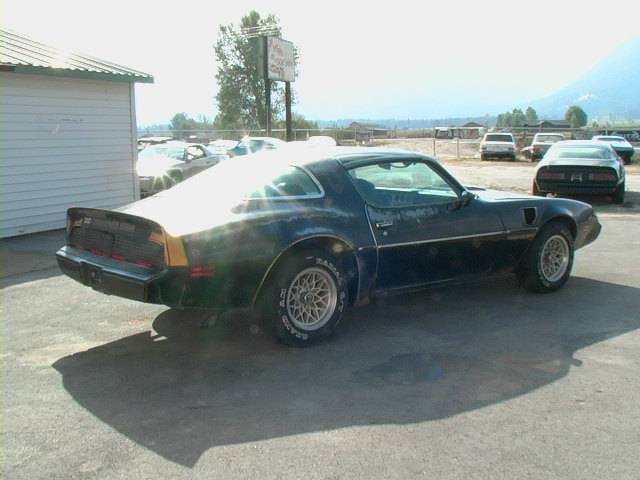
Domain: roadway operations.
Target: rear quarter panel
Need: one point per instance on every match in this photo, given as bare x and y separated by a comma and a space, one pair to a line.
243, 250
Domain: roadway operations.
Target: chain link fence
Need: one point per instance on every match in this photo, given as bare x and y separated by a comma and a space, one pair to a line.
441, 142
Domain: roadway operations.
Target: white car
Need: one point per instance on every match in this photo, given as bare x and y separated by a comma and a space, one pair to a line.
498, 145
620, 144
162, 166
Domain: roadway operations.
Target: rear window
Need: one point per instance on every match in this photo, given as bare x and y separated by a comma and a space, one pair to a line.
230, 183
498, 137
293, 182
593, 153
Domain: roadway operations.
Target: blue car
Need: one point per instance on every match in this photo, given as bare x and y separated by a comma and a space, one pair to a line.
302, 233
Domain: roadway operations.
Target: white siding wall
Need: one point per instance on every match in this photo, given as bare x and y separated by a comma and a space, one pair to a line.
63, 142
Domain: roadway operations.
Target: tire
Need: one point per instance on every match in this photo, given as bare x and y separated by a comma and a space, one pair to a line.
285, 310
546, 265
535, 192
483, 157
175, 177
618, 195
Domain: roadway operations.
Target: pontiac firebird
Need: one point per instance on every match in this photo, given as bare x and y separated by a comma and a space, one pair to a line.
302, 233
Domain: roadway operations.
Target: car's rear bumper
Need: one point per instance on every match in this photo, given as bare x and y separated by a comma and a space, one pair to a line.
498, 154
172, 286
109, 276
576, 189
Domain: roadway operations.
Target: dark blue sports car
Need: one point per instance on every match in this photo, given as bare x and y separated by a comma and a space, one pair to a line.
303, 232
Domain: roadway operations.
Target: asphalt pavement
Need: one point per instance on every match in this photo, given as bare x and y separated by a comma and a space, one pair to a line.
484, 381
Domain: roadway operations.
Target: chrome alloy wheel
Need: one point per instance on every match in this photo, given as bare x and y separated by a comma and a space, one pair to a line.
554, 258
312, 298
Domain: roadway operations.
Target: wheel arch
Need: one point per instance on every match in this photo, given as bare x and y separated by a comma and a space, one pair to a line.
331, 244
567, 220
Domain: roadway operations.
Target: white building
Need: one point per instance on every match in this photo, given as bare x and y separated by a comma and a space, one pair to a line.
67, 134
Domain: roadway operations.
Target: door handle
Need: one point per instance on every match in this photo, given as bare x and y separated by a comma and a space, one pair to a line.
384, 224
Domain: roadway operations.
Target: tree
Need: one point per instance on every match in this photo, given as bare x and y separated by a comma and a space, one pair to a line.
517, 118
576, 116
531, 115
241, 94
182, 125
298, 122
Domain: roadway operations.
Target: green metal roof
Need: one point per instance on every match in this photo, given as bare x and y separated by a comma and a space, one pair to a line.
22, 55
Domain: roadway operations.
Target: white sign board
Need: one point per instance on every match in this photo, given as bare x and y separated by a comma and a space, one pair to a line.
281, 59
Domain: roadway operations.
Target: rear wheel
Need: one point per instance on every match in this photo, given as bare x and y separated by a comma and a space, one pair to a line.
306, 299
618, 195
547, 263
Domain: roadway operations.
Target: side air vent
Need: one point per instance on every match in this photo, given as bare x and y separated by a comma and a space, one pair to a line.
529, 215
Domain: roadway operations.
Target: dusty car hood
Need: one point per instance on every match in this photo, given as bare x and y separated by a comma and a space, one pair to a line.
155, 166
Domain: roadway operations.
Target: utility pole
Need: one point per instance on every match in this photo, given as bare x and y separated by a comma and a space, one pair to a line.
267, 86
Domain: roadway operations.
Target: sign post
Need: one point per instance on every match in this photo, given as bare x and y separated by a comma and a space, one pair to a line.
267, 87
279, 65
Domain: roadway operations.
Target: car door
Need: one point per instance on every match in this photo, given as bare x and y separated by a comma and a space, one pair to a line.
427, 228
197, 159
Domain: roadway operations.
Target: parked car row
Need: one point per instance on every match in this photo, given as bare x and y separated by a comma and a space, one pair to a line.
503, 145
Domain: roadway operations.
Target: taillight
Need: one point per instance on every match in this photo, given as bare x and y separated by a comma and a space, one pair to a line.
603, 177
551, 175
144, 263
202, 271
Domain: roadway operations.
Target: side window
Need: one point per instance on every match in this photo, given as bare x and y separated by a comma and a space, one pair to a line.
194, 152
401, 184
294, 182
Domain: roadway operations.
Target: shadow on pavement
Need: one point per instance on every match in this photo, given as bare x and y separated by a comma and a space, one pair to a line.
404, 360
604, 205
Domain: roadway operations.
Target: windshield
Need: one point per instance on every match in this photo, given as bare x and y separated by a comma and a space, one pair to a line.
582, 152
498, 137
176, 153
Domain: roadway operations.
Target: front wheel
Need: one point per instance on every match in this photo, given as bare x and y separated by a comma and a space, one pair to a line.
547, 263
306, 299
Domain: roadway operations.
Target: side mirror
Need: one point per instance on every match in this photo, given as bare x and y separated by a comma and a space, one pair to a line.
466, 198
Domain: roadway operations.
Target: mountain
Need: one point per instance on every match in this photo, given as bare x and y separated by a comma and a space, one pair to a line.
611, 89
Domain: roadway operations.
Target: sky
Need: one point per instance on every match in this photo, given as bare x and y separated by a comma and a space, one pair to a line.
399, 59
